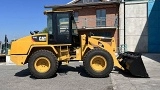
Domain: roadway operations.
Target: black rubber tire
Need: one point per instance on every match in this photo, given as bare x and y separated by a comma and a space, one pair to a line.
53, 61
89, 55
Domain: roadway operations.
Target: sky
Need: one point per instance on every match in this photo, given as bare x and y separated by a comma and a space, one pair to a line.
19, 17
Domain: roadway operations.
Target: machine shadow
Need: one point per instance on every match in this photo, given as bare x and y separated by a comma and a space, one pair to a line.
126, 73
26, 72
62, 70
23, 73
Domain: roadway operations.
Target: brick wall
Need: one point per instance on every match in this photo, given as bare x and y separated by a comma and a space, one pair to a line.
87, 17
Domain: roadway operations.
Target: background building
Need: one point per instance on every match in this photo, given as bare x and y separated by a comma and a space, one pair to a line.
138, 27
96, 16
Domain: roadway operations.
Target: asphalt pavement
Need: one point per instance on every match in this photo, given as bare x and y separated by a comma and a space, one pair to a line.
123, 81
73, 77
70, 77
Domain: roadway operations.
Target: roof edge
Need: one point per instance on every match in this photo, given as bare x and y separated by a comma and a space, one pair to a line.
73, 1
81, 5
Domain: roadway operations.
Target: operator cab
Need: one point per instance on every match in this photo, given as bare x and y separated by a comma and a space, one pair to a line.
62, 28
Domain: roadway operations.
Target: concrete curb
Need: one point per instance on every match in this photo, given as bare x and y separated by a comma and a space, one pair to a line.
8, 61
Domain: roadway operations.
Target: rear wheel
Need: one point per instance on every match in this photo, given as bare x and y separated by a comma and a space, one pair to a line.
43, 64
98, 63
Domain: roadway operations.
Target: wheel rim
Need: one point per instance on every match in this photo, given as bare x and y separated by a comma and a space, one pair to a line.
98, 63
42, 64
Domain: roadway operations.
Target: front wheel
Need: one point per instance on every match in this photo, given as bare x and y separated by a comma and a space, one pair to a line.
43, 64
98, 63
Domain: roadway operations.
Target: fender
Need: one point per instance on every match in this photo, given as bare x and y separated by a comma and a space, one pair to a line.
21, 59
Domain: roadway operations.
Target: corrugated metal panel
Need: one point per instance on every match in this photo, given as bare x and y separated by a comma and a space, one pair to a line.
154, 26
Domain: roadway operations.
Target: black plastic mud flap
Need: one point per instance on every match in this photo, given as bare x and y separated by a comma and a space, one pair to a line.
132, 62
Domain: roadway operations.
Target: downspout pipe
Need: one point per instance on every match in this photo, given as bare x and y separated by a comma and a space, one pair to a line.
124, 22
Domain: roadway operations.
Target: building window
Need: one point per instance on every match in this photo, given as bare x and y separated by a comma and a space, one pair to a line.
101, 17
76, 16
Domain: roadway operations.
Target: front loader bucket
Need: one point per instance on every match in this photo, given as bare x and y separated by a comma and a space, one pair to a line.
133, 63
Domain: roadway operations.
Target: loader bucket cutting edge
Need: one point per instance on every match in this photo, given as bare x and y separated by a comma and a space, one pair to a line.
133, 63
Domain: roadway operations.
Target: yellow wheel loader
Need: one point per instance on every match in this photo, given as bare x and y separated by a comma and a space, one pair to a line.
45, 52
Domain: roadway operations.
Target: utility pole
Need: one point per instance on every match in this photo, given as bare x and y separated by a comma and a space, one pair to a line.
6, 44
0, 47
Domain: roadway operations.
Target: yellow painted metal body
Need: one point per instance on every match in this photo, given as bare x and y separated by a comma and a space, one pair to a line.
22, 45
98, 42
18, 59
22, 48
63, 52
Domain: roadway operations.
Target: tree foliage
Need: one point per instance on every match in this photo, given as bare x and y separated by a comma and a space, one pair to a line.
45, 30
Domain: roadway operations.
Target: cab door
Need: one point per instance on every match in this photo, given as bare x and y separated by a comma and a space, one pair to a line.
63, 28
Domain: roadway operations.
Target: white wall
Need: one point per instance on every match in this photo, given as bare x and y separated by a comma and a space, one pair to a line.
136, 28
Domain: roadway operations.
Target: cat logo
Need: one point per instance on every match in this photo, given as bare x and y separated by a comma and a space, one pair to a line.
39, 38
42, 38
